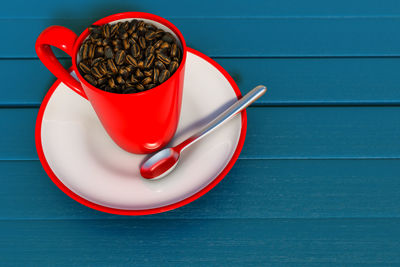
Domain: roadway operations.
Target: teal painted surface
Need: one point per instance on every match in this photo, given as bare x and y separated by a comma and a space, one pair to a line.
239, 242
277, 132
254, 189
317, 182
208, 8
245, 37
291, 81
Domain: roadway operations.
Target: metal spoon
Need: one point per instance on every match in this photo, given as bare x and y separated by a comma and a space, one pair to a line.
165, 160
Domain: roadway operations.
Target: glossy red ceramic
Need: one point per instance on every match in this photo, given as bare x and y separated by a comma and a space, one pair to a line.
140, 122
194, 196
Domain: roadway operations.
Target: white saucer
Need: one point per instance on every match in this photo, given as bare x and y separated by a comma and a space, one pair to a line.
86, 164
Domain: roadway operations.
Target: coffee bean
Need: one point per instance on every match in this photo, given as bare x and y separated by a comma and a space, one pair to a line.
159, 65
126, 44
148, 73
123, 35
142, 42
81, 52
96, 73
129, 68
90, 79
123, 72
85, 51
164, 45
129, 90
125, 25
158, 44
173, 66
140, 28
133, 79
96, 61
111, 66
168, 37
101, 81
150, 35
131, 60
149, 50
149, 61
147, 80
135, 35
150, 85
120, 80
106, 42
114, 28
120, 57
156, 73
159, 33
135, 50
108, 53
103, 68
139, 74
99, 51
164, 75
94, 29
131, 40
132, 27
128, 83
111, 83
140, 65
96, 39
163, 58
106, 31
140, 87
150, 27
130, 56
83, 67
116, 42
174, 50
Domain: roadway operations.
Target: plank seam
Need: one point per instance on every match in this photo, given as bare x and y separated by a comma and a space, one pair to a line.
231, 17
354, 56
241, 158
151, 217
305, 104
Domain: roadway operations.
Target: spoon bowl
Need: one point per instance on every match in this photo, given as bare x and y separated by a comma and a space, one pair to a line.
164, 161
160, 164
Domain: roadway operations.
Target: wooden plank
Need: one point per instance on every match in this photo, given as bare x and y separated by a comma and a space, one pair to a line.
253, 189
291, 81
247, 37
273, 133
315, 242
180, 8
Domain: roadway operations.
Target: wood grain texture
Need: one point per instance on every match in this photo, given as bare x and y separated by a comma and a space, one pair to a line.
273, 133
207, 8
259, 242
317, 181
236, 37
261, 189
290, 81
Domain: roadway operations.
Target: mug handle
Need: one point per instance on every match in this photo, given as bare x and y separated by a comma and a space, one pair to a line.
64, 39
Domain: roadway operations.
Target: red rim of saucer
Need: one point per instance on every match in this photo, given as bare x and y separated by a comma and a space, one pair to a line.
83, 201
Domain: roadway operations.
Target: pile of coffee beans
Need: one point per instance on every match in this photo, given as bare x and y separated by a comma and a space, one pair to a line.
128, 57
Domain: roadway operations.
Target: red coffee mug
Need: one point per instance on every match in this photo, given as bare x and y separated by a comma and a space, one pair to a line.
139, 122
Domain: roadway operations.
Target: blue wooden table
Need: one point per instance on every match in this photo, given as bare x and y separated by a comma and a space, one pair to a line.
317, 182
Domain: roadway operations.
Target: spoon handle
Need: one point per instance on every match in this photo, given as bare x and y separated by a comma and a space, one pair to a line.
234, 109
